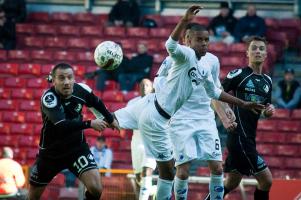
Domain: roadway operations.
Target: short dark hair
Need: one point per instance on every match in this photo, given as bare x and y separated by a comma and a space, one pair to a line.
256, 38
60, 66
101, 139
197, 27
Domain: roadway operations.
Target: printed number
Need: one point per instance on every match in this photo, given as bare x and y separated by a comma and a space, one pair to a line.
81, 163
216, 144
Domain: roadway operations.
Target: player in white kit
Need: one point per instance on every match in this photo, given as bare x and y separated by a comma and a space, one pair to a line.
171, 92
143, 166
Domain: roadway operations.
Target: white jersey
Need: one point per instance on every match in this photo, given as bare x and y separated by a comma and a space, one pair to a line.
176, 88
198, 104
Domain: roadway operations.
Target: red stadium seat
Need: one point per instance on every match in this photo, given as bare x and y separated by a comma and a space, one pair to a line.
5, 93
78, 44
32, 153
112, 96
101, 19
125, 145
8, 69
22, 93
296, 114
130, 95
171, 21
238, 48
13, 116
86, 57
19, 55
282, 114
38, 17
37, 83
27, 141
114, 32
33, 117
115, 106
62, 18
203, 171
266, 149
129, 44
55, 43
158, 58
4, 140
95, 41
137, 32
37, 94
37, 129
3, 55
45, 29
30, 69
24, 29
272, 24
294, 138
87, 31
290, 126
68, 30
68, 193
5, 128
113, 143
124, 157
111, 85
110, 133
84, 18
277, 162
79, 70
232, 62
270, 137
22, 129
58, 180
64, 56
28, 105
267, 125
283, 174
293, 163
13, 82
41, 56
34, 42
160, 32
46, 69
202, 20
154, 45
287, 150
157, 18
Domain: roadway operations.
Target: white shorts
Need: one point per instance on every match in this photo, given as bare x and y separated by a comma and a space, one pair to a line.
153, 129
195, 139
128, 116
139, 158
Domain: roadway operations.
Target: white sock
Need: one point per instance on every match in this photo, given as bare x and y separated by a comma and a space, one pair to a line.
180, 189
216, 186
164, 189
145, 187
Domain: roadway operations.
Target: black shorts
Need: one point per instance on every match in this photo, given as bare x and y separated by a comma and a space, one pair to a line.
44, 169
243, 157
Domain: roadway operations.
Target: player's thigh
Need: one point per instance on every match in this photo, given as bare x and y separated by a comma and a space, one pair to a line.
182, 133
209, 147
137, 152
91, 179
35, 192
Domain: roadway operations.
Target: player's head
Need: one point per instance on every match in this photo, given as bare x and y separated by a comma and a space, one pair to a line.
63, 79
198, 39
101, 142
142, 48
289, 74
7, 152
186, 32
257, 50
146, 87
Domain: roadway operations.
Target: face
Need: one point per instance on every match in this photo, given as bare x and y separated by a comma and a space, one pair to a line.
257, 52
199, 41
142, 48
251, 11
146, 87
288, 77
63, 82
224, 12
100, 144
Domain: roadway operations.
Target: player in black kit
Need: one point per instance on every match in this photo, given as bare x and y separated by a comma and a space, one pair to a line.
62, 142
249, 84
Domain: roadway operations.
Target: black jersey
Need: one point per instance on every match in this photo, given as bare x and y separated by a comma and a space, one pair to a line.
249, 87
63, 125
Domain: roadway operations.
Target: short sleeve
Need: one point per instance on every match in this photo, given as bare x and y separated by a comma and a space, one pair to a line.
231, 80
52, 108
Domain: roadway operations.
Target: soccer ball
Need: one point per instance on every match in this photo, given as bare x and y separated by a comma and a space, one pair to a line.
108, 55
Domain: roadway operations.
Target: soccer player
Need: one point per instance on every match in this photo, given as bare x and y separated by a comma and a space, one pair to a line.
62, 142
250, 84
171, 92
143, 165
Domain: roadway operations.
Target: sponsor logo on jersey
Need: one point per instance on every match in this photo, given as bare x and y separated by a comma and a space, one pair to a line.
49, 100
234, 73
266, 88
78, 108
218, 188
250, 86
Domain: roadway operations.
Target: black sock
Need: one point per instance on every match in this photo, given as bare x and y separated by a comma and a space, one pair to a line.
226, 191
261, 195
89, 196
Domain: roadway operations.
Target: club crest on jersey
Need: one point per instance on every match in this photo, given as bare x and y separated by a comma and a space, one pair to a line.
49, 100
234, 73
193, 75
266, 88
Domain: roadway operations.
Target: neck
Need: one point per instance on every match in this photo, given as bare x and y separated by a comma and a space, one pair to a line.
257, 68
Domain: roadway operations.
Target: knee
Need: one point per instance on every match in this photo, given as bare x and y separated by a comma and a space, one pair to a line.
216, 169
95, 190
182, 173
266, 184
166, 170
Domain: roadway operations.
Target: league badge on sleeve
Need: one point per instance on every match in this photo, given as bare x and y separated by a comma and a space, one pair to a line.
234, 73
49, 100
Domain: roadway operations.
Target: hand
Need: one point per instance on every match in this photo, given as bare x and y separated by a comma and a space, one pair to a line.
99, 124
115, 125
254, 107
269, 110
191, 12
230, 114
229, 125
